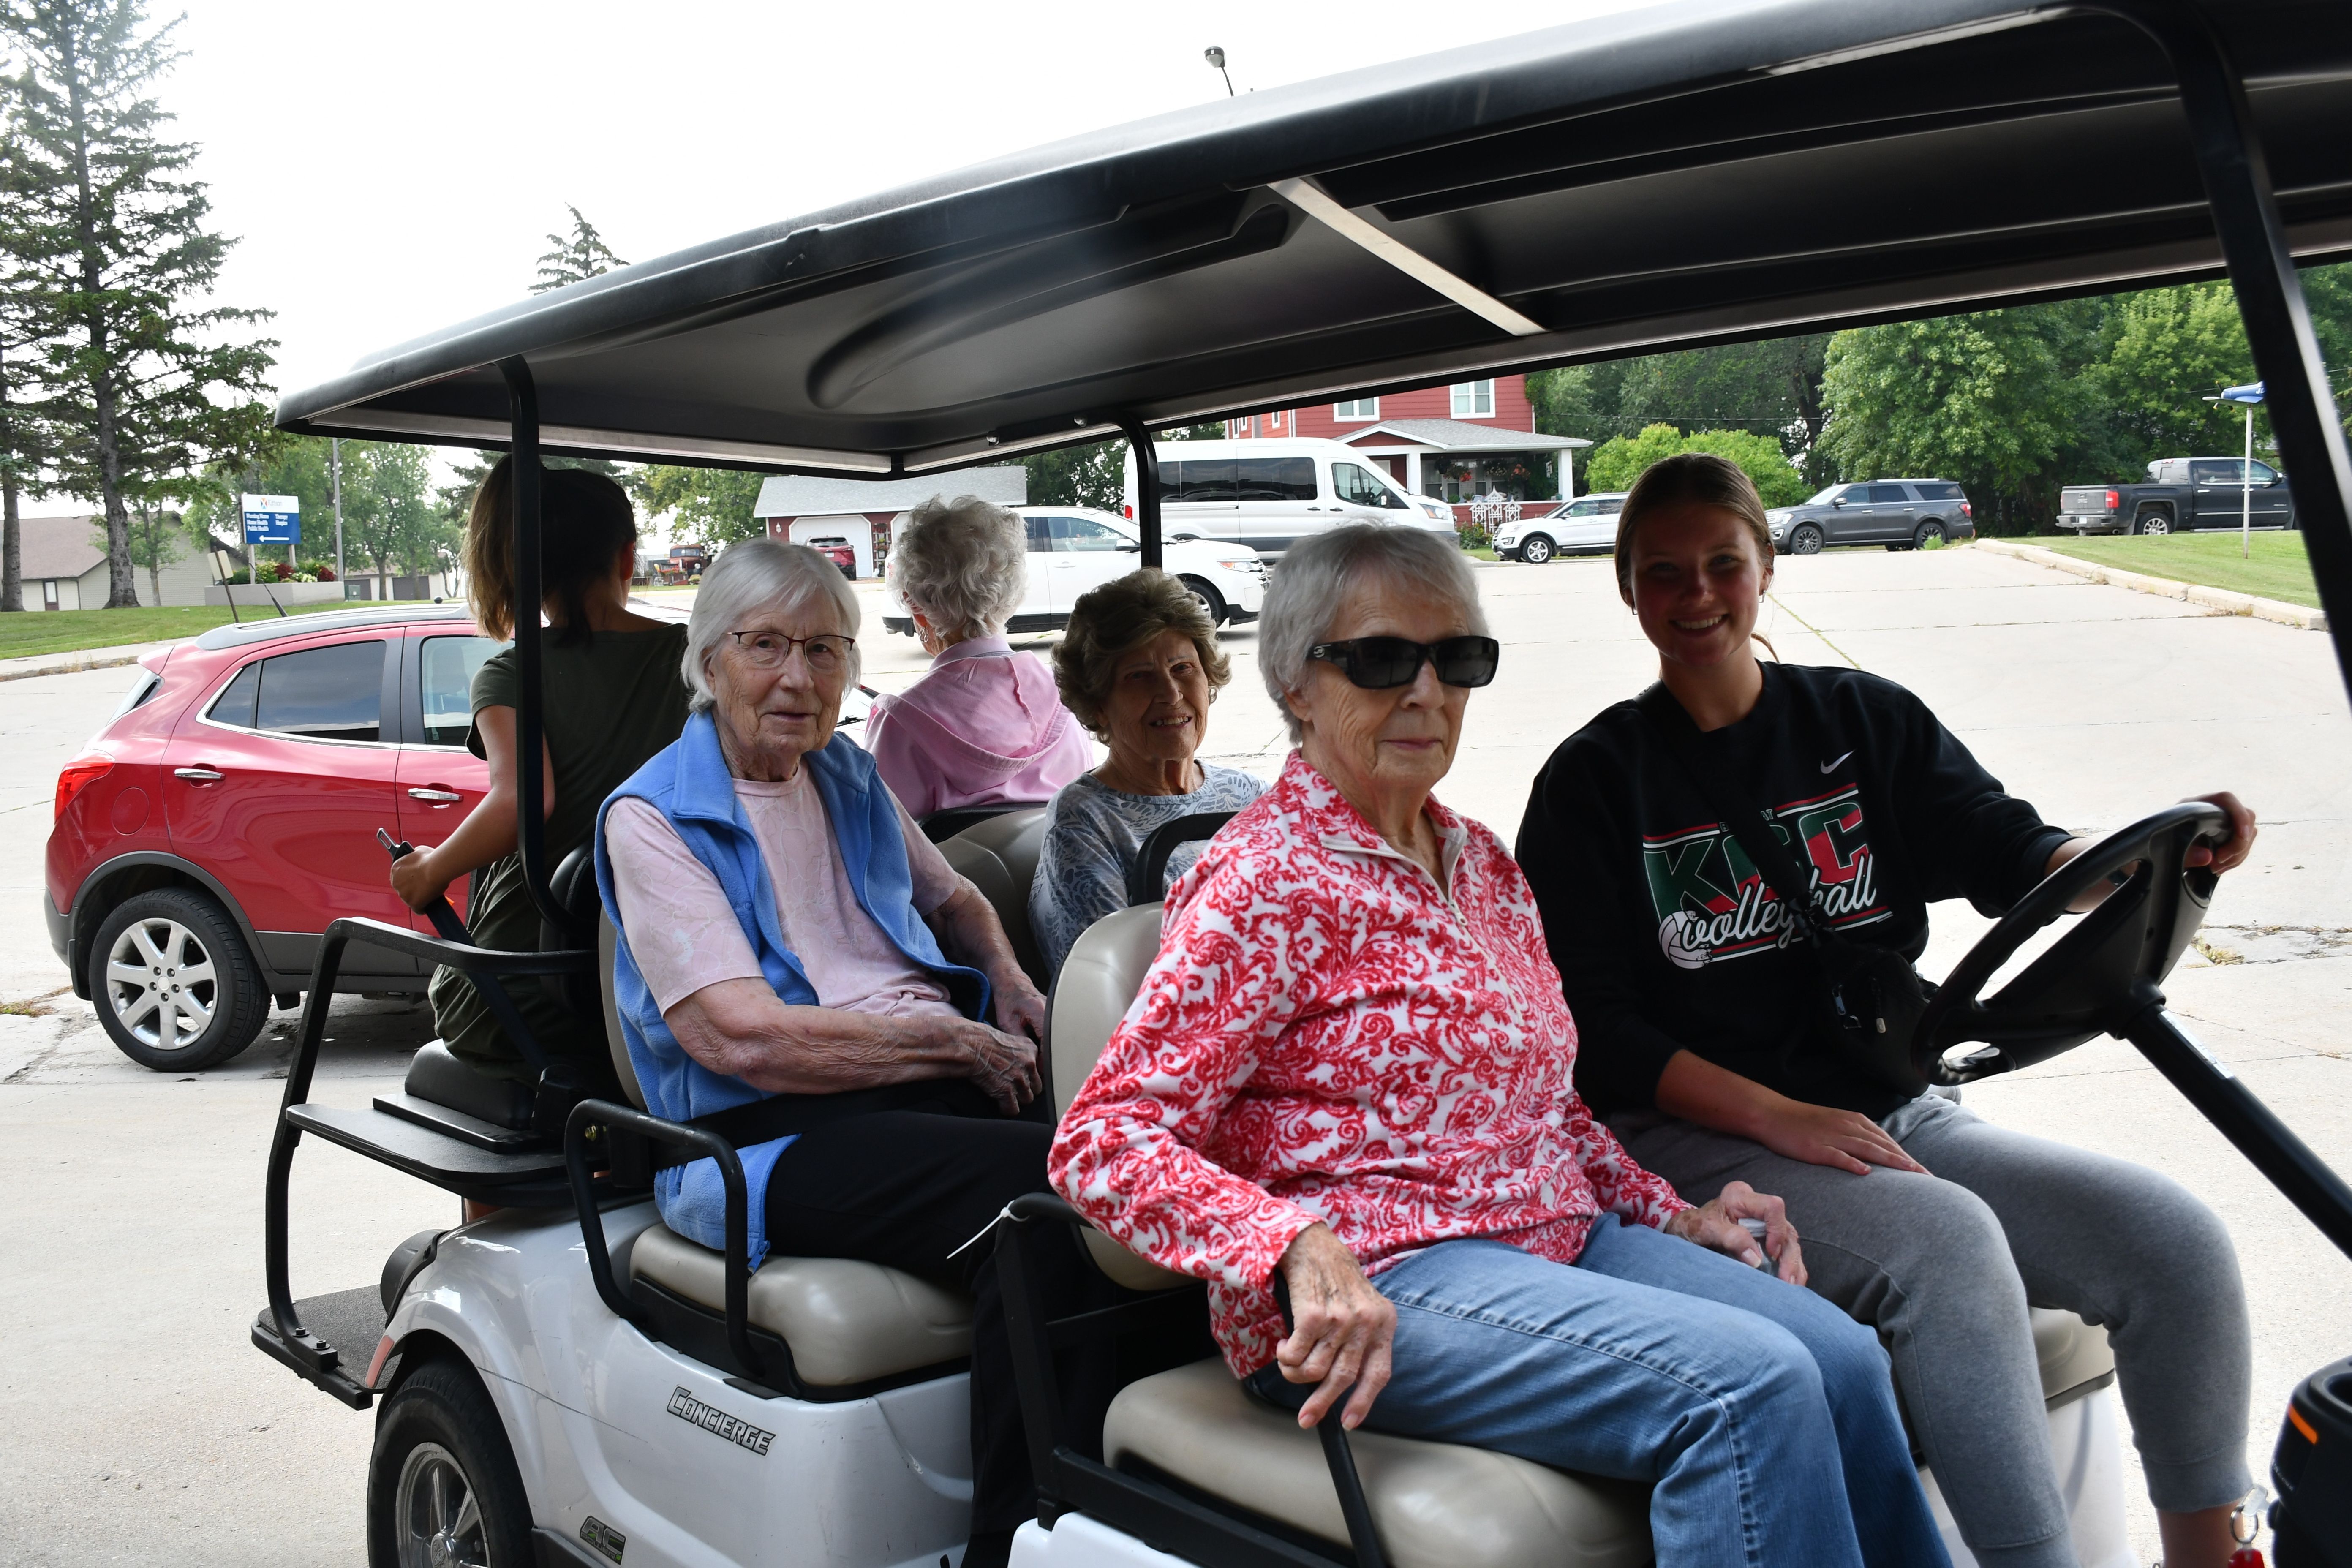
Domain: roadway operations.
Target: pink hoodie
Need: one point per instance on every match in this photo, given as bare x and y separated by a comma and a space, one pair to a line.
985, 725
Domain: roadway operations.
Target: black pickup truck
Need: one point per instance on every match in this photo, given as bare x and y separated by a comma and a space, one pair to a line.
2180, 493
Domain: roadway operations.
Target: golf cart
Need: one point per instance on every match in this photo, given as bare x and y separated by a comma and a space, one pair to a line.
567, 1381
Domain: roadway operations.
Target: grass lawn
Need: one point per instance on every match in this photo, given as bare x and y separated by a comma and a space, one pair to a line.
32, 632
2278, 569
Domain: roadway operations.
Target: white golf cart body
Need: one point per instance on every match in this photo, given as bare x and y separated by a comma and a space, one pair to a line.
1636, 182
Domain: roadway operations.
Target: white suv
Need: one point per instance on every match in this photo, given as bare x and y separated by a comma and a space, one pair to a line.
1073, 549
1586, 523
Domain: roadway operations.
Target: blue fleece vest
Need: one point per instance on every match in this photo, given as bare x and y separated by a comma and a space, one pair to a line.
689, 785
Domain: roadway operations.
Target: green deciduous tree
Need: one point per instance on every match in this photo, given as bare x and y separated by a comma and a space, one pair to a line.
1616, 463
575, 256
1986, 398
391, 518
139, 383
709, 506
1094, 473
2168, 349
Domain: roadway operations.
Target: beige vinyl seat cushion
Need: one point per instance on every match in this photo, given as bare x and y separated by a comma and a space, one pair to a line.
999, 857
846, 1322
1436, 1505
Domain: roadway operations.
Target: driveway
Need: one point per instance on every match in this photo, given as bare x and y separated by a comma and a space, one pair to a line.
137, 1424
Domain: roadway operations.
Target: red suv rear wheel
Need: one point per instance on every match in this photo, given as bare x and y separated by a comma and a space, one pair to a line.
174, 986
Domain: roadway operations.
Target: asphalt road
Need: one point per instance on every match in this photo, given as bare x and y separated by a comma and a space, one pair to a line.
137, 1425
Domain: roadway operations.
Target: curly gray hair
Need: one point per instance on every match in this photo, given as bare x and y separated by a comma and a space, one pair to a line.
964, 563
760, 574
1313, 584
1112, 620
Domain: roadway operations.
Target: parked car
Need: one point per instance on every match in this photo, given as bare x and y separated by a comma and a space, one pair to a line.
2182, 493
1271, 494
836, 549
1073, 549
1901, 514
227, 811
1586, 524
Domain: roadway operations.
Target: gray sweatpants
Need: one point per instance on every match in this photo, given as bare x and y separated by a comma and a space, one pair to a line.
1943, 1266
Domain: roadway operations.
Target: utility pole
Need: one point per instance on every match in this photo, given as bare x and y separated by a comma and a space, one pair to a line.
335, 486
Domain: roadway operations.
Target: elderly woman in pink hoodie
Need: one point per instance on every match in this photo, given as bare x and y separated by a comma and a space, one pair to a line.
986, 725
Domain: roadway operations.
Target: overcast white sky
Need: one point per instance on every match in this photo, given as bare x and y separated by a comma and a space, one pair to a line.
392, 169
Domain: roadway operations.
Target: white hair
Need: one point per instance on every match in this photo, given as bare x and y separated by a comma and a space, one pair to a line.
964, 563
760, 574
1316, 577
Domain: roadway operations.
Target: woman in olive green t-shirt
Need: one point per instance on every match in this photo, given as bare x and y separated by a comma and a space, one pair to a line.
613, 696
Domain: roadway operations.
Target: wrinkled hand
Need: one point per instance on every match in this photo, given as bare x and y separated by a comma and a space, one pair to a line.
2231, 852
1821, 1136
1004, 1066
1716, 1225
416, 880
1019, 1009
1342, 1330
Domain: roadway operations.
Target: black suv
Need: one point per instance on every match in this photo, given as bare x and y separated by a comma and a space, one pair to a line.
1901, 514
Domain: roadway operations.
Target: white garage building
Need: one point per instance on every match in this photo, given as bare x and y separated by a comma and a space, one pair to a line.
804, 509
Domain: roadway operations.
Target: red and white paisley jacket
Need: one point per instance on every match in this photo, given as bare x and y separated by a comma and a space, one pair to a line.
1327, 1034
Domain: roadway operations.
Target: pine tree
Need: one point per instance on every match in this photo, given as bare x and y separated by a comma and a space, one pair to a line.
575, 257
109, 233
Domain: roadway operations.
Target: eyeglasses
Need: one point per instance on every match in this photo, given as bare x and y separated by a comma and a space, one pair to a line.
1377, 664
827, 653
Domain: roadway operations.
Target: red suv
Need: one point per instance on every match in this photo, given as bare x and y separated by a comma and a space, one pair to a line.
228, 810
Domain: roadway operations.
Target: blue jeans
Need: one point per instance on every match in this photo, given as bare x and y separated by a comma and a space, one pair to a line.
1763, 1414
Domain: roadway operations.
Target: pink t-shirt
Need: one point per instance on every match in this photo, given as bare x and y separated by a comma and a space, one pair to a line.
685, 935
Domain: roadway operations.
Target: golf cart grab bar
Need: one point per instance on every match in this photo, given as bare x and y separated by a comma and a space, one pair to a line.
597, 1120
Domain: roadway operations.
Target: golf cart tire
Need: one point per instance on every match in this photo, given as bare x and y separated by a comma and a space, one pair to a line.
1206, 596
1535, 549
440, 1419
240, 1001
1805, 539
2154, 523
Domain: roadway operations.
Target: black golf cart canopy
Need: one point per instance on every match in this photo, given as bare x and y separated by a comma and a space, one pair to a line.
1670, 176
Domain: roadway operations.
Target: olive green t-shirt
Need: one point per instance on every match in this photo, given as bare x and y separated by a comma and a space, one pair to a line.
611, 703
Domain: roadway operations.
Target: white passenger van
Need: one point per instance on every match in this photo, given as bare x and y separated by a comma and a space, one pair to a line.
1270, 494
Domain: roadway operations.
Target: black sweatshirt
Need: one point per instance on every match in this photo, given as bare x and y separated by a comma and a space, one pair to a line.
1667, 938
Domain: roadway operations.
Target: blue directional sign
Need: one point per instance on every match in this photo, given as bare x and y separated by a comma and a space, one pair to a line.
273, 520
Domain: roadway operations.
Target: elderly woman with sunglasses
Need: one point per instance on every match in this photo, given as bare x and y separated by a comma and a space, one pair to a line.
1350, 1065
795, 953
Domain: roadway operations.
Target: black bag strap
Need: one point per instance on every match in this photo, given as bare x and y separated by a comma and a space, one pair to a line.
1748, 823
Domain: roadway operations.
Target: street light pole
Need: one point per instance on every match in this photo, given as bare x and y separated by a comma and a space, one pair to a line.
335, 483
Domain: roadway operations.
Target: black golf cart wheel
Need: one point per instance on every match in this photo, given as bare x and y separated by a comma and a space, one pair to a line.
1806, 540
1930, 532
1535, 549
442, 1489
2154, 524
176, 988
1211, 603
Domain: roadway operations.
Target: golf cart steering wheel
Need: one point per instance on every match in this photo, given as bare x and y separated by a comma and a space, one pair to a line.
2097, 977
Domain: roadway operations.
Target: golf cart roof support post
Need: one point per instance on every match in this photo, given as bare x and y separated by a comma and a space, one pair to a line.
2270, 296
531, 750
1147, 487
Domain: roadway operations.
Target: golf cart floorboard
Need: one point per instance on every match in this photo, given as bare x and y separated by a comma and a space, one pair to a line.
350, 1322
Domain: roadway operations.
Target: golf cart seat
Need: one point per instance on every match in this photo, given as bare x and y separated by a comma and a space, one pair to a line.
839, 1328
1436, 1505
998, 855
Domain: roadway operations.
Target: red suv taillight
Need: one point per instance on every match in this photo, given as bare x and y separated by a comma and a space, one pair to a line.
79, 775
1127, 512
1967, 512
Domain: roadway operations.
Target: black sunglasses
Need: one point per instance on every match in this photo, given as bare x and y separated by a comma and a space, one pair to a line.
1377, 664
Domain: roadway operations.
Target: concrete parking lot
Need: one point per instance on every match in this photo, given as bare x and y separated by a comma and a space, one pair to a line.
137, 1425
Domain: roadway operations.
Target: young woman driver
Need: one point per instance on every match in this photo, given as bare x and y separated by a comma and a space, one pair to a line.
1919, 1216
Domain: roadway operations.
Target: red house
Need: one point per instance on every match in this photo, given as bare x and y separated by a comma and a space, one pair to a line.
1470, 441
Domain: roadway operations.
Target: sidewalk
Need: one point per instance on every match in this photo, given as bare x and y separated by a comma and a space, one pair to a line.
82, 659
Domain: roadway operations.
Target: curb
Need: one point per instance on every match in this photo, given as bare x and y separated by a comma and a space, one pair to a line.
78, 659
2224, 601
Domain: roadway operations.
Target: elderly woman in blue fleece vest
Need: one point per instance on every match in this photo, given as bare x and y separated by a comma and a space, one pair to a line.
787, 933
